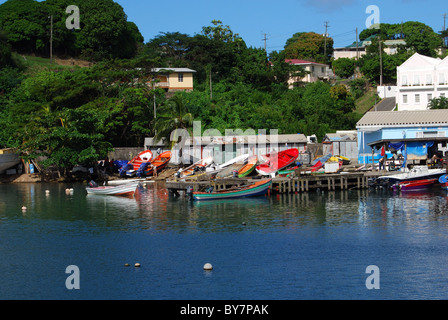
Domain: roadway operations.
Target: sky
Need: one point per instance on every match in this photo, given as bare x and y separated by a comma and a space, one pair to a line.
277, 21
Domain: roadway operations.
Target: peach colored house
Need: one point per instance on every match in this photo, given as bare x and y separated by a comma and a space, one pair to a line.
315, 71
175, 79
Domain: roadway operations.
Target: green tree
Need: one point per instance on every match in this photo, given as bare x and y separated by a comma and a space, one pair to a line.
344, 67
309, 46
172, 117
438, 103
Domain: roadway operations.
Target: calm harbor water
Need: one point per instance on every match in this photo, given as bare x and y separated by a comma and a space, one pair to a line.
288, 247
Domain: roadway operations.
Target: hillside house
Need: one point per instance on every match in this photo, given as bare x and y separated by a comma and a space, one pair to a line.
315, 71
174, 79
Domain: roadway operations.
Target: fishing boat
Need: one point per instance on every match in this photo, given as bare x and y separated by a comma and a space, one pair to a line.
249, 167
443, 180
256, 189
277, 161
130, 169
8, 159
220, 167
228, 171
414, 185
123, 181
159, 163
127, 189
199, 166
416, 173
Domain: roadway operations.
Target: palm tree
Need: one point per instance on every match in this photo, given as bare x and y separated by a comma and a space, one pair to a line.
172, 121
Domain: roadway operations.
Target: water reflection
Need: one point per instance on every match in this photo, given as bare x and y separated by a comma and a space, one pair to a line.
152, 209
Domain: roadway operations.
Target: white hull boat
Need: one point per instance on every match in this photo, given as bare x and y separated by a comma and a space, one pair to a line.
127, 189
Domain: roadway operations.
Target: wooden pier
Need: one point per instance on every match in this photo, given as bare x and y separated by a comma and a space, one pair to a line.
305, 183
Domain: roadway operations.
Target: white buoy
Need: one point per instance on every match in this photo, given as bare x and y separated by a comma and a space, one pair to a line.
47, 191
137, 265
208, 266
23, 208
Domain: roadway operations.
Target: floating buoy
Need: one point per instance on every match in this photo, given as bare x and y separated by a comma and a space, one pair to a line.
47, 191
208, 266
137, 265
126, 264
243, 223
23, 208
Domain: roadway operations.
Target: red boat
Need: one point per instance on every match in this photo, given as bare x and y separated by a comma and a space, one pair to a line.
277, 161
414, 185
159, 163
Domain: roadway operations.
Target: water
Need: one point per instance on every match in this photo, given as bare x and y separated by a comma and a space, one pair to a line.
288, 247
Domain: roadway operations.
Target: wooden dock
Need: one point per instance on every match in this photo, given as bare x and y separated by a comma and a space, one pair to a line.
305, 183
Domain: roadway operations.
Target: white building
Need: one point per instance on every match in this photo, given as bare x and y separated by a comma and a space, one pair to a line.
420, 79
315, 71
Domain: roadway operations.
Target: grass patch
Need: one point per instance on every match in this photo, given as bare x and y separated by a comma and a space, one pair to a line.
366, 102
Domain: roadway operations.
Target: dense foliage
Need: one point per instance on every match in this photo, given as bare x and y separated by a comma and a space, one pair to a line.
104, 30
76, 115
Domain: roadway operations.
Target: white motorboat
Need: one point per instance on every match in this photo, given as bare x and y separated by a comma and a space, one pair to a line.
416, 173
127, 189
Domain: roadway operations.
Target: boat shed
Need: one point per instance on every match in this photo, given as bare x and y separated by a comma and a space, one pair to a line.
415, 134
342, 143
224, 148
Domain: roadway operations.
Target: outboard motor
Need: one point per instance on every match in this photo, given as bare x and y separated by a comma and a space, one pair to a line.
189, 192
92, 184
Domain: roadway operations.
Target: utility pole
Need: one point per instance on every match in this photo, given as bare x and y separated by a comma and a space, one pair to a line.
444, 29
381, 62
325, 39
357, 52
264, 39
51, 39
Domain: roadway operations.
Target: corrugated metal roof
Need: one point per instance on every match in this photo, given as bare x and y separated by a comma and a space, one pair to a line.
173, 69
404, 118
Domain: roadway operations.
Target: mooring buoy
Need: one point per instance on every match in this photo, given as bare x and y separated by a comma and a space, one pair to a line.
208, 266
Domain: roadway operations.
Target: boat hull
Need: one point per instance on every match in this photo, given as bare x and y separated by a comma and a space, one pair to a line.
414, 185
257, 189
119, 190
412, 176
277, 161
8, 160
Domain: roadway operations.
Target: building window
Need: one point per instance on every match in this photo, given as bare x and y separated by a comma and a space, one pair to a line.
417, 98
442, 94
429, 97
312, 68
323, 69
405, 98
428, 79
180, 77
416, 80
441, 78
404, 80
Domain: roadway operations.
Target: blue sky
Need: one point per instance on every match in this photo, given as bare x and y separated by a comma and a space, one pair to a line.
278, 19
